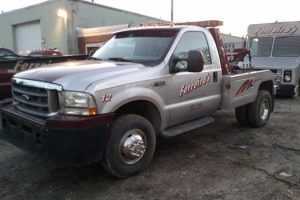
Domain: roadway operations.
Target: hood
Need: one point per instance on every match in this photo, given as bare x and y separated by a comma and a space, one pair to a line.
78, 75
275, 62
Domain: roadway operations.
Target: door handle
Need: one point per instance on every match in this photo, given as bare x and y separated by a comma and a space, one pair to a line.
215, 76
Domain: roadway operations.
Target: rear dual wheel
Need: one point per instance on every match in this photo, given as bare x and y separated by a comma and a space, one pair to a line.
241, 114
256, 114
297, 90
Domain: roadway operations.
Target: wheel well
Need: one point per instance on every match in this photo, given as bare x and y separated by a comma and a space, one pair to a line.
268, 86
145, 109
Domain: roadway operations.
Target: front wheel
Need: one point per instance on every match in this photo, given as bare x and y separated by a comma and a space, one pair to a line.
259, 111
130, 147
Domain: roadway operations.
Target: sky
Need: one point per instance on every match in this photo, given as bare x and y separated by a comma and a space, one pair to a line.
236, 14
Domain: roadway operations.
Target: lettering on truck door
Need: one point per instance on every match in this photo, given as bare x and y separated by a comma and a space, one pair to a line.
192, 93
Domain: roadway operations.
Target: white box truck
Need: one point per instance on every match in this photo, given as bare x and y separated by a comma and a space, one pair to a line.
276, 46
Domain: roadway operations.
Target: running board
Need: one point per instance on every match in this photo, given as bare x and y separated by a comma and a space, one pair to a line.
188, 126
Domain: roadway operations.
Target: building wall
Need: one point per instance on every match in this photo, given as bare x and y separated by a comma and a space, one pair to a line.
60, 33
87, 15
94, 15
82, 41
52, 27
233, 42
90, 38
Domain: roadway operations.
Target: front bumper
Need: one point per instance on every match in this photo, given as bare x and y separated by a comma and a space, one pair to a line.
68, 139
285, 90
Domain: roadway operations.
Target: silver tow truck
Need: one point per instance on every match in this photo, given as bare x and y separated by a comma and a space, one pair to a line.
143, 83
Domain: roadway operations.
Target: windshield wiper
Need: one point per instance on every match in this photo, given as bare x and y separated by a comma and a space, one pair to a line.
95, 58
119, 59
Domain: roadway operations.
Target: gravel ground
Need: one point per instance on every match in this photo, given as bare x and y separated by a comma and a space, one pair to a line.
220, 161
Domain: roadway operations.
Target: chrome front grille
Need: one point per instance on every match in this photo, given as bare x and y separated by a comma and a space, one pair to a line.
35, 97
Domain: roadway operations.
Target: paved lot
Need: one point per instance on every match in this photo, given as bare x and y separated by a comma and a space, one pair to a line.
221, 161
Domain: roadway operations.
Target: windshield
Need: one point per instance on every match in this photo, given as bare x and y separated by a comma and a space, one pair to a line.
142, 46
7, 55
4, 53
287, 46
261, 47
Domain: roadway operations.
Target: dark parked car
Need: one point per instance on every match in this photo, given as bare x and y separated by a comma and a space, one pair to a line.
44, 52
6, 54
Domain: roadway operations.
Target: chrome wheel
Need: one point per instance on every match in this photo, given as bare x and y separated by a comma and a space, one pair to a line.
264, 109
132, 146
260, 110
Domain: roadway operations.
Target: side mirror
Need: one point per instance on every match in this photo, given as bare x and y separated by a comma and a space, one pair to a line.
172, 64
195, 61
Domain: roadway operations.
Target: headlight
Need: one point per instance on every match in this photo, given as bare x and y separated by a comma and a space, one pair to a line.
79, 103
287, 76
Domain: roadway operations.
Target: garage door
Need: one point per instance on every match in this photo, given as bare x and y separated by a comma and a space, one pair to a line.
28, 36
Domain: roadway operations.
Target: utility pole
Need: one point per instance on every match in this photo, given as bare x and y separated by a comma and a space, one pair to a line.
172, 17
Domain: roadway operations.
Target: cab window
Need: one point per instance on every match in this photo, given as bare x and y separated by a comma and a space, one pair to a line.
261, 47
191, 41
287, 46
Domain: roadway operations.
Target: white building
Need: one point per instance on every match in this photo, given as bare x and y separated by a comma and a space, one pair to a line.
52, 24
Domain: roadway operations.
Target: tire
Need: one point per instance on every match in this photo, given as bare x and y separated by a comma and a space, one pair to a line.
296, 94
241, 114
133, 131
259, 111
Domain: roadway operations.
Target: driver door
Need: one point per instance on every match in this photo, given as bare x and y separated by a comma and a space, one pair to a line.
193, 94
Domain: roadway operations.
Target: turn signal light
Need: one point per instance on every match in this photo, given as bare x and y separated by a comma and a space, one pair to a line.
92, 111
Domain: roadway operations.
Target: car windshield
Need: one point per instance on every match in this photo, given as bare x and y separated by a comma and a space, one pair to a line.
141, 46
287, 46
4, 53
261, 47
